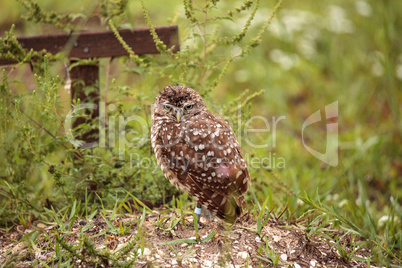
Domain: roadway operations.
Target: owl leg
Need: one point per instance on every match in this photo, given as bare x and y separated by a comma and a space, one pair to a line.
197, 211
207, 214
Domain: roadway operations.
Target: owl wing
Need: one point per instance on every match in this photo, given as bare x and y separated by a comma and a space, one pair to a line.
217, 175
225, 207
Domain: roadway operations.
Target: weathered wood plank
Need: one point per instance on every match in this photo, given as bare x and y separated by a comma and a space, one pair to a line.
101, 44
84, 77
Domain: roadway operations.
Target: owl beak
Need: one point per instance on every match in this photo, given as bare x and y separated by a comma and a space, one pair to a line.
179, 114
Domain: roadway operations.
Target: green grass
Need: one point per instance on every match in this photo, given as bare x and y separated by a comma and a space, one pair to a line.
311, 55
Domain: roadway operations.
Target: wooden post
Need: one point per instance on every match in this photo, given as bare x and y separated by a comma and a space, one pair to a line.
85, 86
87, 45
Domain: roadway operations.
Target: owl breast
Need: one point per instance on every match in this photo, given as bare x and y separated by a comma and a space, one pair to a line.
166, 139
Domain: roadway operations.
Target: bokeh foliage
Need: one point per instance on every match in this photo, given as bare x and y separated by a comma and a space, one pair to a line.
312, 54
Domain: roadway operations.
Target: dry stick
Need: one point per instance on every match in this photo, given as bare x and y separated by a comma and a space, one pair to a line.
284, 210
303, 218
270, 212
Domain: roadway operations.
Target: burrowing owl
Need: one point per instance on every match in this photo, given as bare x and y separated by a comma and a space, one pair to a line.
198, 152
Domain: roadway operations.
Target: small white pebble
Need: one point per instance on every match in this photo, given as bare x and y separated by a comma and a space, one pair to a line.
296, 265
41, 225
284, 257
193, 260
146, 252
313, 263
208, 263
242, 254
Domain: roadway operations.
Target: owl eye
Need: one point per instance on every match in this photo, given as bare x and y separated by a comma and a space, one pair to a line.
167, 107
188, 107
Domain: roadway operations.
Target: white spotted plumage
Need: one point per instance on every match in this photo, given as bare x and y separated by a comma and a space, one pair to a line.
198, 152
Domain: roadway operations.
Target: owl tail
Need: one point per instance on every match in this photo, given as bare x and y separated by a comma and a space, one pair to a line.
230, 210
225, 207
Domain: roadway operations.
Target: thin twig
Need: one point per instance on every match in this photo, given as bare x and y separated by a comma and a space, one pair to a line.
204, 39
40, 126
197, 4
23, 201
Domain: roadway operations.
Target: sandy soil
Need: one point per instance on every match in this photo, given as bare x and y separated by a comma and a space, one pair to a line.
231, 246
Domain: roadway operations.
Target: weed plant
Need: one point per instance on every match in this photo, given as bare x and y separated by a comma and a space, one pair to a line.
244, 63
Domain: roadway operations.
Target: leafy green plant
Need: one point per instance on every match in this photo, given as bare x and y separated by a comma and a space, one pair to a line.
350, 227
169, 229
192, 241
179, 258
267, 254
345, 254
301, 66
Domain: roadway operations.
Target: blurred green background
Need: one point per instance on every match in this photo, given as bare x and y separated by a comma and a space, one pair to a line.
314, 53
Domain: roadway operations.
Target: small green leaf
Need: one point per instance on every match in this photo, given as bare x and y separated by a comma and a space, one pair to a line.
187, 241
206, 239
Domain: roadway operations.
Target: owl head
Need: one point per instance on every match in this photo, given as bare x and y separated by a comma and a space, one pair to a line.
178, 103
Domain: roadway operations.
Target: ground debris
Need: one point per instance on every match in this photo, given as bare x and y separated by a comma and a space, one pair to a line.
231, 246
